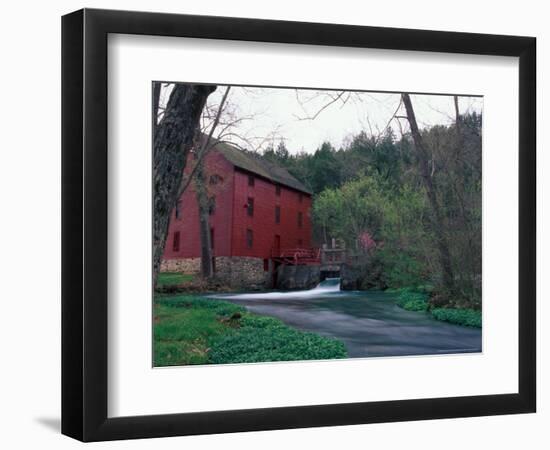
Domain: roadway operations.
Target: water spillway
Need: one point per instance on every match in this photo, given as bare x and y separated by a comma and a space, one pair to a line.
327, 287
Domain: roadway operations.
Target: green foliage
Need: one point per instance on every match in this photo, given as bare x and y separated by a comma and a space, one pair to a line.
412, 300
318, 171
267, 339
416, 299
371, 156
355, 207
170, 353
172, 278
392, 215
401, 268
406, 253
199, 323
376, 185
195, 330
467, 317
219, 307
324, 168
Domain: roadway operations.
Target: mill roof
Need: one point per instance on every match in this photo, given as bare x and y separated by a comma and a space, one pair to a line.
257, 164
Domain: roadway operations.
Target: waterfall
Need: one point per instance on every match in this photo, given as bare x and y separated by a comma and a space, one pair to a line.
329, 286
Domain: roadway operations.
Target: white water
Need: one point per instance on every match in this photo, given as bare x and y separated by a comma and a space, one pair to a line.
328, 286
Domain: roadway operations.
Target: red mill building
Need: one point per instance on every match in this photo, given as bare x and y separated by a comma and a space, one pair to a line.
259, 213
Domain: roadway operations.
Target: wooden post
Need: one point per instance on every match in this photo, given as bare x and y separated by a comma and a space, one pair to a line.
343, 256
270, 275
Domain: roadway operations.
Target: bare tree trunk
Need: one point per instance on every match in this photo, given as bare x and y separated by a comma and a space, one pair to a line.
436, 216
204, 146
458, 126
207, 268
199, 176
469, 265
172, 141
457, 112
156, 100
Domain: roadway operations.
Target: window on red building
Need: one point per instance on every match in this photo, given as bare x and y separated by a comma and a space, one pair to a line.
212, 205
215, 179
277, 190
176, 242
250, 206
249, 238
251, 180
178, 209
212, 238
277, 214
300, 197
300, 220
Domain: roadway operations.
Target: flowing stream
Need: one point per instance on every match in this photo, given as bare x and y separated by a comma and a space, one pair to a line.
331, 286
368, 322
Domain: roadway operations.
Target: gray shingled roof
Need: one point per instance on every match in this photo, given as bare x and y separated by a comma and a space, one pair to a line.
255, 163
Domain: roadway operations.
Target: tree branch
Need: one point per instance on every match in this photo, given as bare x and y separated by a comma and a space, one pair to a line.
205, 146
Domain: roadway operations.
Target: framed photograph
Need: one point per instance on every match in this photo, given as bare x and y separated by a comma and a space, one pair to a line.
273, 224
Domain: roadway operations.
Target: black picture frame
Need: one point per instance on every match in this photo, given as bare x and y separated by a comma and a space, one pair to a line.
84, 224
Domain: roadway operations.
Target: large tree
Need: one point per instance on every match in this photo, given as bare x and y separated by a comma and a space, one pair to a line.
204, 206
198, 174
173, 137
427, 177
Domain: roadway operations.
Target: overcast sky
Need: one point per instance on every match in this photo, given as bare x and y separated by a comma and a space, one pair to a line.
278, 113
305, 119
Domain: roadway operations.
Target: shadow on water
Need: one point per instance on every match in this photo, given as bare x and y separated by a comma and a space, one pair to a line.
368, 322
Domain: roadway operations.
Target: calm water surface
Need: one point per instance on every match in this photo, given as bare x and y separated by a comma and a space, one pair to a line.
369, 323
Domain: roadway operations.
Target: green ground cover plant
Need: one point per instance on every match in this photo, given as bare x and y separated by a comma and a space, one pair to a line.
466, 317
417, 300
197, 330
172, 279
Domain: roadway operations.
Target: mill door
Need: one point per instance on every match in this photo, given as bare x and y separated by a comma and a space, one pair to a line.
276, 245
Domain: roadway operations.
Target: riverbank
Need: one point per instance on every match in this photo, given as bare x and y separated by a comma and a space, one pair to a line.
369, 323
193, 330
171, 283
418, 300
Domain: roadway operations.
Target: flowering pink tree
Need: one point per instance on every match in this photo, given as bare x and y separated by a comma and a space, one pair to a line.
366, 241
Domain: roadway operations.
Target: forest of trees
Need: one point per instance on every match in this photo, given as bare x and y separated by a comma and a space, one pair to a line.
408, 208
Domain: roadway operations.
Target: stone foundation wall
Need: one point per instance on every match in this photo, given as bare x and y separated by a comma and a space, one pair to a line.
184, 265
242, 272
298, 277
235, 271
351, 278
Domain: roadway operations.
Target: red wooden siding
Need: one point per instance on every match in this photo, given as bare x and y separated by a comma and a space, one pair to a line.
220, 221
263, 223
231, 219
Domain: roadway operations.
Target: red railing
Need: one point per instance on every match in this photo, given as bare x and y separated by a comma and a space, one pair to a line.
296, 256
